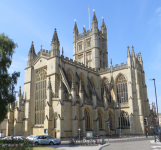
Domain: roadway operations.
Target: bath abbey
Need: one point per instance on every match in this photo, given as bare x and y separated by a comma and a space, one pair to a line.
88, 92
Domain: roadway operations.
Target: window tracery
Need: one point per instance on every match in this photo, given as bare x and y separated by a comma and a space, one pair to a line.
105, 87
124, 119
40, 95
122, 93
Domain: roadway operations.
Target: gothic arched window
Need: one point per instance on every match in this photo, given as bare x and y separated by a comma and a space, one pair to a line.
124, 119
40, 95
87, 119
122, 93
105, 87
100, 120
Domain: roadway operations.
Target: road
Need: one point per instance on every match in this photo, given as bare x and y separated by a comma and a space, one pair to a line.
129, 145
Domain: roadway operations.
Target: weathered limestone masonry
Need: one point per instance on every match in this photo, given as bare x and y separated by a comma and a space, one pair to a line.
61, 95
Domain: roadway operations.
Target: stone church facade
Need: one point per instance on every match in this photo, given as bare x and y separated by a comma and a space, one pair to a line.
60, 94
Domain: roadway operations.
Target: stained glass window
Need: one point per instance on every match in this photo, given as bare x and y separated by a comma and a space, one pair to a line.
40, 95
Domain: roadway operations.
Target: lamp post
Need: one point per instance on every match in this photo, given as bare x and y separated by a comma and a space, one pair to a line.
156, 98
120, 115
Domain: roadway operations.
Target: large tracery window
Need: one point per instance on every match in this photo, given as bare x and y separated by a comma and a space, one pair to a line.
124, 119
105, 87
100, 120
122, 93
87, 119
40, 96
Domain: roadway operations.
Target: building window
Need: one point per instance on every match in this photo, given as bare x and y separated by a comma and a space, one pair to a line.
80, 47
105, 88
40, 96
88, 43
122, 94
87, 120
100, 120
124, 119
54, 122
80, 58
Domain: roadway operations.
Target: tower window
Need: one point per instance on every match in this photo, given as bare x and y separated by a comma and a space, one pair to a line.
88, 43
80, 47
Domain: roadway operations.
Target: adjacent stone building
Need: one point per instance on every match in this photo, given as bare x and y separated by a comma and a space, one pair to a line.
60, 94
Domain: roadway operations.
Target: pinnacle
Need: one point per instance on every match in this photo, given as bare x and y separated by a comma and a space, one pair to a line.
133, 53
32, 49
19, 94
94, 17
128, 52
75, 26
103, 24
55, 37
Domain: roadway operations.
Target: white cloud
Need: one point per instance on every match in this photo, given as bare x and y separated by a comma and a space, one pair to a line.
158, 10
24, 58
18, 67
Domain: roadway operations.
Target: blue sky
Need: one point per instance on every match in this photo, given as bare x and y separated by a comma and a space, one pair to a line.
128, 22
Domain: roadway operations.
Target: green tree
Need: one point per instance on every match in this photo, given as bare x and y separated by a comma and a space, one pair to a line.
7, 81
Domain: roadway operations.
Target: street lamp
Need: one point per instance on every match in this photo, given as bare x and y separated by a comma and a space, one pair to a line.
120, 115
155, 96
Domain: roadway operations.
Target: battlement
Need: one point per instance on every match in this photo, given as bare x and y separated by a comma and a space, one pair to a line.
81, 36
78, 64
117, 67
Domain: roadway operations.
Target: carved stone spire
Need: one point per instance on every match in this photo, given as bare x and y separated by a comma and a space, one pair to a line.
111, 62
128, 52
133, 53
49, 84
19, 94
103, 24
84, 29
55, 37
32, 49
75, 26
94, 17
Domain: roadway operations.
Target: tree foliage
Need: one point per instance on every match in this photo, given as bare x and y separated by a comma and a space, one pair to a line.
7, 81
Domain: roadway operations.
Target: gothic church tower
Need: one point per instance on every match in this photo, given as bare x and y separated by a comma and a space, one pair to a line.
90, 48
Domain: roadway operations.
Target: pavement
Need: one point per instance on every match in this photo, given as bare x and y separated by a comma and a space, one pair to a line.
126, 143
118, 139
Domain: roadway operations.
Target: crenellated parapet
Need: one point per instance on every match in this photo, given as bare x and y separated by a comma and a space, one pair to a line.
78, 64
84, 35
116, 68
